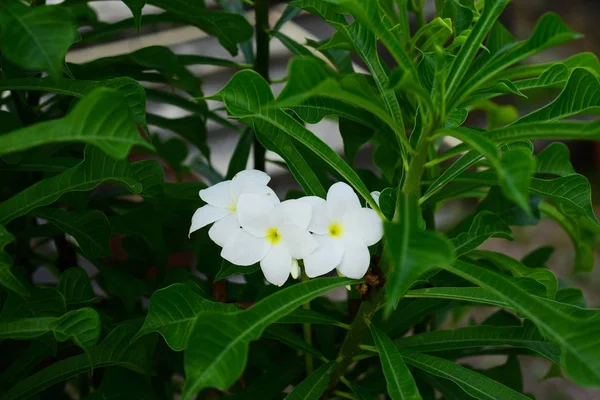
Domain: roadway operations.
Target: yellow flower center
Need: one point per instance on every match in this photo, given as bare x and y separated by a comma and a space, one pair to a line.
335, 230
232, 207
273, 235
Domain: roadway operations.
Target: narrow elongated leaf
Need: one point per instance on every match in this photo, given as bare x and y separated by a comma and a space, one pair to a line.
44, 35
230, 28
90, 229
481, 336
412, 251
83, 326
102, 119
473, 383
400, 383
92, 171
314, 385
291, 339
302, 316
250, 109
576, 334
132, 91
485, 225
222, 363
115, 350
580, 96
464, 58
172, 312
76, 288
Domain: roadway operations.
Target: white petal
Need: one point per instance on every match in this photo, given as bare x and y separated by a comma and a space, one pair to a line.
375, 195
207, 215
224, 230
341, 200
245, 249
260, 190
300, 242
254, 212
356, 259
292, 212
366, 224
295, 269
218, 195
277, 264
319, 221
249, 177
325, 258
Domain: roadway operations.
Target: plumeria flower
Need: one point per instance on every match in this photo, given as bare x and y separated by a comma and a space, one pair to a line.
344, 230
275, 235
222, 202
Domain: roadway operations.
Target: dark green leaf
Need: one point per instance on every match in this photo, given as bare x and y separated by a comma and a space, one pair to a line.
136, 9
76, 288
314, 385
518, 168
228, 269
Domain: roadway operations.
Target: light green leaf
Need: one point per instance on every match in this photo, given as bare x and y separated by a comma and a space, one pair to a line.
580, 96
400, 383
92, 171
101, 118
76, 288
465, 56
90, 229
517, 169
172, 312
250, 109
412, 251
136, 7
230, 28
132, 91
115, 350
481, 336
223, 362
314, 385
44, 34
473, 383
470, 294
83, 326
431, 35
485, 225
555, 159
576, 334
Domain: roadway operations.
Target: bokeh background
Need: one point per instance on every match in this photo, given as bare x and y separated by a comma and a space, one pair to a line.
520, 17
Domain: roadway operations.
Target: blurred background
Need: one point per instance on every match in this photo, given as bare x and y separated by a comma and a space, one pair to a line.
520, 18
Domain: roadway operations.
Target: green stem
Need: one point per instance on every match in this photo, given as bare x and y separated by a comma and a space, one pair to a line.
306, 328
261, 65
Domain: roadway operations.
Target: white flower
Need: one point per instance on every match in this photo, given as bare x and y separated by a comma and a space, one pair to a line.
222, 201
344, 231
275, 235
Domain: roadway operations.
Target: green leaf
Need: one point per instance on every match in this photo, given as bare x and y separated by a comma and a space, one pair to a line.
231, 29
7, 278
132, 91
400, 383
555, 159
473, 383
120, 384
136, 9
115, 350
90, 229
41, 302
83, 326
223, 362
314, 385
576, 334
550, 31
44, 34
465, 56
76, 288
192, 128
412, 252
518, 167
470, 294
354, 135
228, 269
101, 118
291, 339
431, 35
241, 154
92, 171
481, 336
172, 312
485, 225
250, 109
302, 316
287, 15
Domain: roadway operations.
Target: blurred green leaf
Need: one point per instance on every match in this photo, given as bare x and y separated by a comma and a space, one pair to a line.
76, 288
314, 385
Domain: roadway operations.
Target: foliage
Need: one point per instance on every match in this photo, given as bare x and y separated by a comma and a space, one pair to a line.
141, 302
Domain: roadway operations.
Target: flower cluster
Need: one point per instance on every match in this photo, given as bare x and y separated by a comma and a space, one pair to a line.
252, 225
